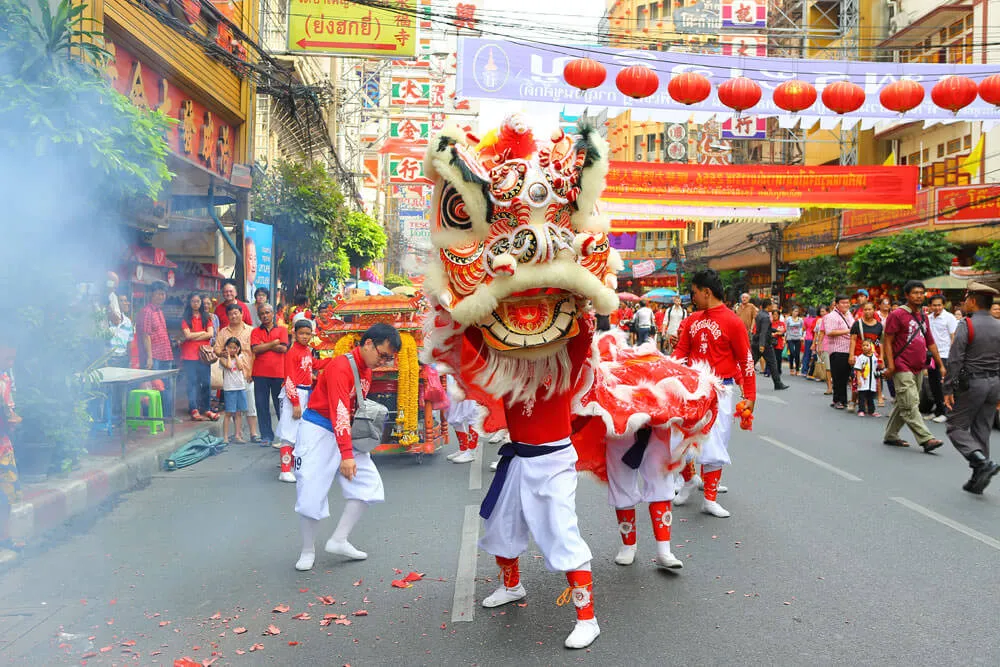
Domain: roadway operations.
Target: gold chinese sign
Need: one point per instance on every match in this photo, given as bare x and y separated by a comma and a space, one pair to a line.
341, 27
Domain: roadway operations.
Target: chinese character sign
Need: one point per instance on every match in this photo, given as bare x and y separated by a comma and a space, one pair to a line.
746, 14
349, 28
410, 129
744, 127
410, 91
744, 45
406, 169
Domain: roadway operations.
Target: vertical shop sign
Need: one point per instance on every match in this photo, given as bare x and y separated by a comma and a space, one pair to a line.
258, 257
410, 91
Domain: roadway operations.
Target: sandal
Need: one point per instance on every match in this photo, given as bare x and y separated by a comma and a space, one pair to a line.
212, 416
896, 443
196, 416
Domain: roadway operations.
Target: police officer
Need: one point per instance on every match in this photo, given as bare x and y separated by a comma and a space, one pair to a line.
972, 386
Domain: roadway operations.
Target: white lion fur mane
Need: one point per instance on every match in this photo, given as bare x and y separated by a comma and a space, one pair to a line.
517, 379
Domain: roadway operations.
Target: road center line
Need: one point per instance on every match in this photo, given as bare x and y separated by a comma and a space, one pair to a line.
812, 459
476, 470
462, 607
951, 523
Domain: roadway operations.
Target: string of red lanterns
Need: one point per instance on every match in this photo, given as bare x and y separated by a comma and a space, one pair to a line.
740, 94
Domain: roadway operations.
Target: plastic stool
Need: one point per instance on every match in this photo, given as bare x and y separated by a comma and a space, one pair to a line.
134, 419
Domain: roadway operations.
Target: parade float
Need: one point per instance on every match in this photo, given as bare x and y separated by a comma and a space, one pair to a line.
414, 427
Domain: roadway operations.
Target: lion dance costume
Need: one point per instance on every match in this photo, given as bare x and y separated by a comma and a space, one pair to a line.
520, 256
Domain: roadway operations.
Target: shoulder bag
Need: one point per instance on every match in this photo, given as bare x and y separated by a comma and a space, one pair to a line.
369, 417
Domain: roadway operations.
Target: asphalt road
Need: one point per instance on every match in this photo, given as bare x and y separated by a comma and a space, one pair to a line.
840, 551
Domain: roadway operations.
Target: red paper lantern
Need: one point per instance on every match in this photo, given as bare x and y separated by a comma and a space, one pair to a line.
843, 97
795, 95
901, 96
989, 89
637, 81
740, 93
689, 88
954, 93
584, 73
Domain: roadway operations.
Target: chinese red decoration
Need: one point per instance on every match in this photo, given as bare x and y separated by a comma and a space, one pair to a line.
584, 73
689, 88
637, 81
989, 90
954, 93
795, 95
740, 93
901, 96
843, 97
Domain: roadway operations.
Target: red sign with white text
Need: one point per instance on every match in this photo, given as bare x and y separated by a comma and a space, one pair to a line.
968, 204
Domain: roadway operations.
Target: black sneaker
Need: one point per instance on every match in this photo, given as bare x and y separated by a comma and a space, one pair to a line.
255, 438
981, 476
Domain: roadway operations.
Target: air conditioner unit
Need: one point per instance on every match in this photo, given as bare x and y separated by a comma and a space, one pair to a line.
900, 21
638, 156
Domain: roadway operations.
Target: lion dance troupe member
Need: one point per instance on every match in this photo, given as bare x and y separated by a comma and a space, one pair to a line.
716, 336
462, 416
323, 449
299, 367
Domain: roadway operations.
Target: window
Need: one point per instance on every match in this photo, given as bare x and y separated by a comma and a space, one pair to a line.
640, 21
904, 160
709, 226
956, 28
660, 236
954, 146
940, 150
967, 141
637, 142
654, 12
926, 155
913, 158
691, 231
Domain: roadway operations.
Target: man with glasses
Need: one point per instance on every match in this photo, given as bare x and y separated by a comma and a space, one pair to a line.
323, 450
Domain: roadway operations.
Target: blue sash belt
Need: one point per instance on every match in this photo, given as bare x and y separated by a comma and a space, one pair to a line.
633, 457
316, 418
507, 454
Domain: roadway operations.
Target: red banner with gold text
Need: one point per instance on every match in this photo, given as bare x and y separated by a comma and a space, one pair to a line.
851, 187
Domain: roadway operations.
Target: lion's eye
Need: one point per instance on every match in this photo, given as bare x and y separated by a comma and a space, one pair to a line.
452, 213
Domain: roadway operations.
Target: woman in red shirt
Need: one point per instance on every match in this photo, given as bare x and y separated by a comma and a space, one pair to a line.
197, 331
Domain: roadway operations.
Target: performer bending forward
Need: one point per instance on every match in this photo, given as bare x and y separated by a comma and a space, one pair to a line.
323, 447
534, 490
716, 336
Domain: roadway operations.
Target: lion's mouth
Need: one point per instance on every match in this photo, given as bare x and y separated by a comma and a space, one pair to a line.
530, 319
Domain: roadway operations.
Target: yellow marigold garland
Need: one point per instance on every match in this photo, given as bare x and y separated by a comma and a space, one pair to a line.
408, 389
345, 344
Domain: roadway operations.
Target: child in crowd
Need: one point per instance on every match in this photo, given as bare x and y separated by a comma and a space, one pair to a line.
867, 373
235, 375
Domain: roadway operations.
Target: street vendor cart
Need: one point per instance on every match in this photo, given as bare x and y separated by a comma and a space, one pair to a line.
413, 427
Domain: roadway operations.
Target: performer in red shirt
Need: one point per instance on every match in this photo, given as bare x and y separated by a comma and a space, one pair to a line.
716, 336
323, 449
299, 367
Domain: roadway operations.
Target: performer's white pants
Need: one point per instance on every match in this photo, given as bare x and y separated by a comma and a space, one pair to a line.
623, 481
539, 500
288, 425
462, 415
715, 449
317, 463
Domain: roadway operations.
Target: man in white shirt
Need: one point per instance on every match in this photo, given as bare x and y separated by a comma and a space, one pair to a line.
643, 323
672, 323
943, 326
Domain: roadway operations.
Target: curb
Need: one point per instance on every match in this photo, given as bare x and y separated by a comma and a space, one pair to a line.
60, 502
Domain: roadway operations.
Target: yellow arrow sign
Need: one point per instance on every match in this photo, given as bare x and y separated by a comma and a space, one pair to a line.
341, 27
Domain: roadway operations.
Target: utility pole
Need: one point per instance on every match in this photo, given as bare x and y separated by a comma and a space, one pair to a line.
677, 259
774, 245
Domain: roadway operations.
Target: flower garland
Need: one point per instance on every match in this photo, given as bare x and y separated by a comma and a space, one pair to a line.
345, 344
408, 390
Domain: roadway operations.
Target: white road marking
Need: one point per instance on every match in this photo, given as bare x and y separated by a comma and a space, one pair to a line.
773, 399
812, 459
463, 606
951, 523
476, 470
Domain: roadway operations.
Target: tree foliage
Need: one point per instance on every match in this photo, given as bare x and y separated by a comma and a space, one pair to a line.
988, 257
815, 281
365, 240
307, 210
396, 280
910, 255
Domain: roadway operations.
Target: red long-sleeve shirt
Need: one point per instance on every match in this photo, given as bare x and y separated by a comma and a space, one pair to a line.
718, 337
334, 397
298, 370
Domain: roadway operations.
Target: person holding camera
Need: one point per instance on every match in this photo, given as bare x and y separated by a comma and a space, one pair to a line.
972, 385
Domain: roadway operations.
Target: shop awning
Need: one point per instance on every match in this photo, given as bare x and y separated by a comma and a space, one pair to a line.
738, 246
925, 26
151, 257
946, 282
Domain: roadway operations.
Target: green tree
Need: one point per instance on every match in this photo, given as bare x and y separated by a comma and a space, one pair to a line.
396, 280
988, 257
364, 240
307, 210
817, 280
910, 255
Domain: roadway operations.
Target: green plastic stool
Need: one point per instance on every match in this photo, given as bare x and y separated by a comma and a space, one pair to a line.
133, 415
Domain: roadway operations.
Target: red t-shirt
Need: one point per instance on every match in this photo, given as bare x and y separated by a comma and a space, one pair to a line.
334, 397
189, 348
298, 370
777, 326
718, 337
220, 312
270, 364
902, 324
658, 319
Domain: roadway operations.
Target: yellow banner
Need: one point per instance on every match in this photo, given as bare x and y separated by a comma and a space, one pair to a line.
341, 27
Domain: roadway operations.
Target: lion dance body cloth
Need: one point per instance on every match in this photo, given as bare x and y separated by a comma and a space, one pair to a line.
520, 260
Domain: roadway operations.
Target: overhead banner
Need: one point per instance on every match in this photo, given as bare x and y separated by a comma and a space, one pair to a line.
968, 204
651, 225
341, 27
867, 223
763, 185
493, 69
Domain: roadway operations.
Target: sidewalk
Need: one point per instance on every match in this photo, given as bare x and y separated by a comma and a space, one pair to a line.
104, 473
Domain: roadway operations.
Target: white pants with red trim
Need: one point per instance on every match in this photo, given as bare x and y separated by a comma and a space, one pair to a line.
715, 449
538, 501
316, 461
462, 415
623, 482
288, 425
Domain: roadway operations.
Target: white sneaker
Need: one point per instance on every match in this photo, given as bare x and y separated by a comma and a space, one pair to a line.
455, 453
286, 477
468, 456
583, 634
504, 595
305, 561
493, 466
713, 508
345, 549
626, 555
940, 419
668, 561
685, 493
